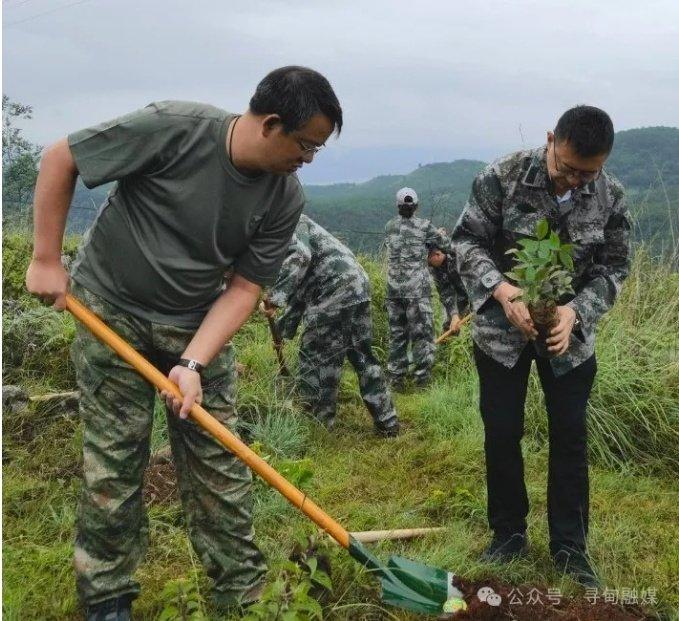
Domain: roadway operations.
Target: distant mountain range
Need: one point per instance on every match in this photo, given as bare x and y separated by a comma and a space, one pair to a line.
646, 160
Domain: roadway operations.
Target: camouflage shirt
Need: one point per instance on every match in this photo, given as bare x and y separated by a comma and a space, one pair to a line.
319, 277
408, 242
507, 200
450, 288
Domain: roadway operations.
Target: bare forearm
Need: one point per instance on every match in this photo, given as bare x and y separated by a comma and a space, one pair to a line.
53, 195
229, 312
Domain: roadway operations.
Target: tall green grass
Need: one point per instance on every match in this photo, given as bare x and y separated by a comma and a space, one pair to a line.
634, 410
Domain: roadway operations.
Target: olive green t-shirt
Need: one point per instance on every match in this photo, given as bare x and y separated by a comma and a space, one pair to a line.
180, 214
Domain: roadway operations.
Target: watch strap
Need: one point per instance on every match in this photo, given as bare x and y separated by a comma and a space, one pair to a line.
194, 365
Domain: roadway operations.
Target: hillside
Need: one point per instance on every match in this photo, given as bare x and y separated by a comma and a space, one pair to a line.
432, 475
646, 160
641, 156
358, 212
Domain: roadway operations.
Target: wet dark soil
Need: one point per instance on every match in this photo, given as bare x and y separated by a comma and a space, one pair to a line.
160, 482
545, 317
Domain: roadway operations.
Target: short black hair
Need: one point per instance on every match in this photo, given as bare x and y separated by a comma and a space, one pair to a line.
296, 94
587, 129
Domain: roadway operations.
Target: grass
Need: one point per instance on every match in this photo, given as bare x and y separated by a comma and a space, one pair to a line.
431, 475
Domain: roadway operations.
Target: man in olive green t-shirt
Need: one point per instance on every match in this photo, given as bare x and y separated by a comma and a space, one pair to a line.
199, 193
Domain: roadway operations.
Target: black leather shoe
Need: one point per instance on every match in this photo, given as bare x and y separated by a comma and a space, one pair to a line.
390, 431
506, 548
115, 609
576, 564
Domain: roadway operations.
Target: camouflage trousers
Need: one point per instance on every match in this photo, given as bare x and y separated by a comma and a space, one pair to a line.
324, 346
411, 321
116, 407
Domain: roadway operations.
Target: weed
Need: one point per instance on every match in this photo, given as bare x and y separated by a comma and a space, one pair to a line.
289, 596
184, 602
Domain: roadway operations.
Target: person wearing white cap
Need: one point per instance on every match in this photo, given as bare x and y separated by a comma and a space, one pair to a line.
411, 321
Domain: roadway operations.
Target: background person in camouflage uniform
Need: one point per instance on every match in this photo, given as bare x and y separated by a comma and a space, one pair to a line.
411, 319
199, 192
563, 182
449, 286
322, 283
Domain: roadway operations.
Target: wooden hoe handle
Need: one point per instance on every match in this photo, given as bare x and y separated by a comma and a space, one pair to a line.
447, 333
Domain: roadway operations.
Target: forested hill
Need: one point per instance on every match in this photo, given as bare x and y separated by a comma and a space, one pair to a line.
643, 157
646, 160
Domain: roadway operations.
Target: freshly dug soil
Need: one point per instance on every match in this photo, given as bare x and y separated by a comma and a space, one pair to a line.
544, 318
160, 482
536, 603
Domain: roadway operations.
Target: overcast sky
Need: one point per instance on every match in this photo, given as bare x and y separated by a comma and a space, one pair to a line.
419, 81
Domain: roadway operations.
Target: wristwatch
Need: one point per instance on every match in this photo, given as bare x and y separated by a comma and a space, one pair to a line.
194, 365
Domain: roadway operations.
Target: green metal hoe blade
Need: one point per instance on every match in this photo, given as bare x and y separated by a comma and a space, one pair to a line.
409, 585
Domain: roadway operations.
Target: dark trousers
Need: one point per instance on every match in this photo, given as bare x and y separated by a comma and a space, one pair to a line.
502, 400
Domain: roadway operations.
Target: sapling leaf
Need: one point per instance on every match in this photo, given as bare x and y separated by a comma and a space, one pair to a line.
542, 267
529, 245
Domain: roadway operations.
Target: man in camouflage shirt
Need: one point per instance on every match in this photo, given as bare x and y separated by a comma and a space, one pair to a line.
449, 286
563, 182
409, 240
322, 283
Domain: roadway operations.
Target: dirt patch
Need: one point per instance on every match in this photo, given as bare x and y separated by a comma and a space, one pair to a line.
160, 483
539, 603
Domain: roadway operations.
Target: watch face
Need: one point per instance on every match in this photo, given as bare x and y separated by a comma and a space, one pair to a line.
192, 365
